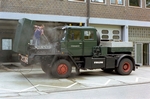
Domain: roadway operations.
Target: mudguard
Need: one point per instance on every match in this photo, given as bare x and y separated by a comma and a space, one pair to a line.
120, 57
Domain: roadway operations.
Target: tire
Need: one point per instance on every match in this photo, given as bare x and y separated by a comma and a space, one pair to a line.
108, 70
125, 67
61, 69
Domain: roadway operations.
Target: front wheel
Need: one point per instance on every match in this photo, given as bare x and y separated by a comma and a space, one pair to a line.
61, 69
45, 66
125, 67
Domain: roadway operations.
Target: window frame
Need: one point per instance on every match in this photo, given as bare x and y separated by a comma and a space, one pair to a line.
76, 1
98, 2
116, 3
140, 4
146, 5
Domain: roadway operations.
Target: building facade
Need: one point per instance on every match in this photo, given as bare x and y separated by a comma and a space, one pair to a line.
123, 20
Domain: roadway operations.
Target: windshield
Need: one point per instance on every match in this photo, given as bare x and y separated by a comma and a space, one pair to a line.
64, 35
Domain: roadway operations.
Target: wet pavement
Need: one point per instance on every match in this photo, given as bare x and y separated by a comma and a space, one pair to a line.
17, 81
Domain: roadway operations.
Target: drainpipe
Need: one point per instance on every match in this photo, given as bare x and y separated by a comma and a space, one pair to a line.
0, 4
88, 12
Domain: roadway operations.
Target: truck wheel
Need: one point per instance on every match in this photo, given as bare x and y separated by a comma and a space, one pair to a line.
44, 66
61, 69
125, 67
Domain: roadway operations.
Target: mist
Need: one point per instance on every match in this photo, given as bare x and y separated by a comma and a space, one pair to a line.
52, 35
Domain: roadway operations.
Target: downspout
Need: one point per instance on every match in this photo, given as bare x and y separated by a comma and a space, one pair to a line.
88, 12
0, 5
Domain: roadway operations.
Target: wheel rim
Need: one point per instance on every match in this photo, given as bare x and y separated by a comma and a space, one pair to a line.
62, 69
126, 67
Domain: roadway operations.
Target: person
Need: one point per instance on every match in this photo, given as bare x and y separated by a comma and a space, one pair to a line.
39, 30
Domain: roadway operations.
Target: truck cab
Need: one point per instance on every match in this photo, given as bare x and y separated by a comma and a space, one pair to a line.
79, 41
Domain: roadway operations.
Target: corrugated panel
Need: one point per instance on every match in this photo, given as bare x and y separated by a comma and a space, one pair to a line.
24, 33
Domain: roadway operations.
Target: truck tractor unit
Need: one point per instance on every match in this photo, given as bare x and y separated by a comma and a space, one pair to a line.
76, 46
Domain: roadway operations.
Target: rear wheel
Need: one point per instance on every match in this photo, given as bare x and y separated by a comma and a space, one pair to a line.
61, 69
125, 67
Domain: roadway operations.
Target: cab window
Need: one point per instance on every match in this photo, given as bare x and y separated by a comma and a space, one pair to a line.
74, 35
88, 35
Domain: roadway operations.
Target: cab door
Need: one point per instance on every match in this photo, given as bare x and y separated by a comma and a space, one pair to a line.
75, 44
89, 40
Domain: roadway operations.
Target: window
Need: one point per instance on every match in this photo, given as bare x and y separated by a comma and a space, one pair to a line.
115, 37
77, 0
116, 34
135, 3
115, 31
6, 44
148, 3
105, 34
99, 1
105, 37
118, 2
88, 35
74, 35
104, 31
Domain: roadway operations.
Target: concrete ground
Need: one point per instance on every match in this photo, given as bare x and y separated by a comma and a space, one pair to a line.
19, 81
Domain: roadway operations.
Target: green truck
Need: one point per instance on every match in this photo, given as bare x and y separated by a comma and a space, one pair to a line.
77, 46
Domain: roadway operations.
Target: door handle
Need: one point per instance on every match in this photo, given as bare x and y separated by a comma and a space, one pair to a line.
80, 43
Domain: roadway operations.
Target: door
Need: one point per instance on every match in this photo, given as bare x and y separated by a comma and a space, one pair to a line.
146, 54
89, 40
75, 44
6, 51
139, 53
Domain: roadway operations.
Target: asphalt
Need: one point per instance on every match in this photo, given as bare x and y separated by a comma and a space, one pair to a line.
19, 81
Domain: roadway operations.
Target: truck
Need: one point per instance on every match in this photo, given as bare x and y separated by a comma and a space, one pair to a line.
77, 46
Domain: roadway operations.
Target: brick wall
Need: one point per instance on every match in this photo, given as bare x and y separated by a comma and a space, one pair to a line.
120, 12
65, 7
53, 7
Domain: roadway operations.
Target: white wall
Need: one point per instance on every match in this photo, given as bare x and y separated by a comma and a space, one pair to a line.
110, 29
